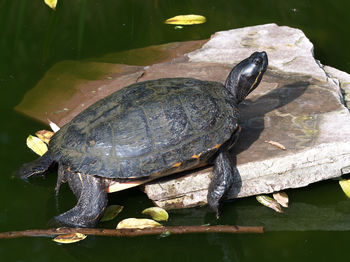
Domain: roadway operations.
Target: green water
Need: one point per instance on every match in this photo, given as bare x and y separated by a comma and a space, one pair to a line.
33, 38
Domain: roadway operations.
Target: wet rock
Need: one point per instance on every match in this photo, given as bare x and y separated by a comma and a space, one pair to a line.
75, 85
299, 104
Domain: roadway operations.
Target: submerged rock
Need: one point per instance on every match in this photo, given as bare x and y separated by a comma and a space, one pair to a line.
299, 104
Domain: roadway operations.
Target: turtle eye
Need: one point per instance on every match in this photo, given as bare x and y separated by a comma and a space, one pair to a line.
257, 60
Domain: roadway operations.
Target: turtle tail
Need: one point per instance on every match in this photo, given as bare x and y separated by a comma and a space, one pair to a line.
37, 167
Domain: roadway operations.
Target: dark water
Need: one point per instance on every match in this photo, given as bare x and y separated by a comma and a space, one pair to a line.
33, 38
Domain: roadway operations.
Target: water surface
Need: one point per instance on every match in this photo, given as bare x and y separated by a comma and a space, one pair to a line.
33, 38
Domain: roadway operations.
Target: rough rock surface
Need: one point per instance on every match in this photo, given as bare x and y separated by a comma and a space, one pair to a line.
298, 104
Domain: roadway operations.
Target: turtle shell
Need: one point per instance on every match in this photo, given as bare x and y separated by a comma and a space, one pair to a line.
151, 128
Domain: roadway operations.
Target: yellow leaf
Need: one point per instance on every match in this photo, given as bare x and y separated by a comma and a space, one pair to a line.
269, 202
44, 135
51, 3
137, 223
156, 213
186, 20
69, 238
111, 212
35, 144
281, 198
345, 186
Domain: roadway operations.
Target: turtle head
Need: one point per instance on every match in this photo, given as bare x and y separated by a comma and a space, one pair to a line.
246, 75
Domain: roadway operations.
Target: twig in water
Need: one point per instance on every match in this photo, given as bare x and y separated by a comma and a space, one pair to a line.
131, 232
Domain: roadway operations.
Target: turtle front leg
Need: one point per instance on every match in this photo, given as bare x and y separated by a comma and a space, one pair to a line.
92, 200
221, 182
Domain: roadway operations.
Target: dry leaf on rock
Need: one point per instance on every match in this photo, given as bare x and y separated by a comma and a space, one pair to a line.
276, 144
156, 213
281, 198
44, 135
37, 145
186, 20
137, 223
269, 202
69, 238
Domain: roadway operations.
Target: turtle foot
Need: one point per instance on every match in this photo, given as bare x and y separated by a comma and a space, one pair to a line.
37, 167
221, 182
92, 201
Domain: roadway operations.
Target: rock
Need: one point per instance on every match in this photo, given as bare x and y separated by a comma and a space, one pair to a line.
299, 104
289, 50
75, 85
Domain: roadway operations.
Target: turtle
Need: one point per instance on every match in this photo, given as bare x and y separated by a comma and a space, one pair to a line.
149, 130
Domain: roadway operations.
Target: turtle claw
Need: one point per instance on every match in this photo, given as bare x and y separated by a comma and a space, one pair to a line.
214, 203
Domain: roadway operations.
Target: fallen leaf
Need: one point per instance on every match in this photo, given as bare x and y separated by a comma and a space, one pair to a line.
269, 202
53, 126
37, 145
51, 3
156, 213
345, 186
111, 212
186, 20
137, 223
69, 238
44, 135
165, 234
276, 144
281, 198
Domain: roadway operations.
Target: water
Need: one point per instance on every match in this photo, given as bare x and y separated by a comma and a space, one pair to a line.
33, 38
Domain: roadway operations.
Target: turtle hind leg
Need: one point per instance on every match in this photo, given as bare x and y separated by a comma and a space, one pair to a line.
221, 182
37, 167
91, 194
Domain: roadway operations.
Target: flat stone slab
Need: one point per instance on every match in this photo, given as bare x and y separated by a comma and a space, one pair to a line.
69, 87
300, 104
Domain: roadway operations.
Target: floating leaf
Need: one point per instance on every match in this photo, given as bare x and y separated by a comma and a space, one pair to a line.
111, 212
156, 213
51, 3
44, 135
276, 144
345, 186
69, 238
269, 202
165, 234
281, 198
137, 223
186, 20
178, 27
35, 144
53, 126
